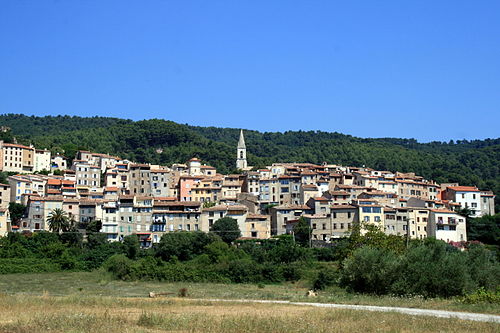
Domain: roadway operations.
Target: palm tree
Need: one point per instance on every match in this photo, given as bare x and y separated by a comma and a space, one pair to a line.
58, 220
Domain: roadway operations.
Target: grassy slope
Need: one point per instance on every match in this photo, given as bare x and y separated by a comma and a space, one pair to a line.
87, 284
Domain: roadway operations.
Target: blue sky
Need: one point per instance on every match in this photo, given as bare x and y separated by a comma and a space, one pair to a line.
429, 70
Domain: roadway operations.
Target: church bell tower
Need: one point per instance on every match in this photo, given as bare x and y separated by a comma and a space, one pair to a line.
241, 158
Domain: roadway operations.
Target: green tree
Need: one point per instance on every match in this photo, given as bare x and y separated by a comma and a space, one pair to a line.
132, 246
227, 229
94, 226
485, 229
58, 221
183, 245
208, 204
302, 232
16, 211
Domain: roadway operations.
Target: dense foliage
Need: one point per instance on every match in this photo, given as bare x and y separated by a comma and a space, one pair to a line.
430, 269
485, 229
370, 263
159, 141
227, 229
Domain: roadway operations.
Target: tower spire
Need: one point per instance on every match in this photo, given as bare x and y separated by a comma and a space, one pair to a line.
241, 157
241, 143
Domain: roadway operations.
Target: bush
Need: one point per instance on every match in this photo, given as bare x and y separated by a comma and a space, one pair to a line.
432, 269
132, 246
327, 276
184, 245
243, 271
227, 229
483, 267
120, 267
483, 296
95, 257
370, 270
27, 265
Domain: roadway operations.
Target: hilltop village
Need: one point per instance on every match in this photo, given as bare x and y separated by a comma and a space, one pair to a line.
150, 200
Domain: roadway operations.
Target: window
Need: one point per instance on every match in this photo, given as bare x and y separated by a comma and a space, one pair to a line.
367, 219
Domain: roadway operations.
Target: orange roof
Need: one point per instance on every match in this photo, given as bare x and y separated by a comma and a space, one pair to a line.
16, 145
464, 188
52, 181
111, 189
342, 207
157, 199
447, 211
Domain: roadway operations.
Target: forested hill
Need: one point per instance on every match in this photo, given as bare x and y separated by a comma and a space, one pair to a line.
474, 162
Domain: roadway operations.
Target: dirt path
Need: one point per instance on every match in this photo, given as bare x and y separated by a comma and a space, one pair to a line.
409, 311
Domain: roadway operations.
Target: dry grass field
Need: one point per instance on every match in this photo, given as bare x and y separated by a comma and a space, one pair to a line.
23, 314
93, 302
100, 284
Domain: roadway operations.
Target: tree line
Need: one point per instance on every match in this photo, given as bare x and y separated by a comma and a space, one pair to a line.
369, 262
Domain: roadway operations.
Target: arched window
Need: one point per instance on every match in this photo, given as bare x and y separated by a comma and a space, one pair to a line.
241, 154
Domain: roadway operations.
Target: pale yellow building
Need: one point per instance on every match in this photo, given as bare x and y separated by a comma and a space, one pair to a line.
16, 158
4, 222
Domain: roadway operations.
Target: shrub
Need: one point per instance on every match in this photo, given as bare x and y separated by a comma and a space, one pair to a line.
227, 229
483, 267
432, 269
120, 266
483, 296
291, 271
370, 270
243, 270
185, 245
132, 246
327, 276
27, 265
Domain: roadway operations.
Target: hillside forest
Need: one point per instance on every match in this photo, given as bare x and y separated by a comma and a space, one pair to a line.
165, 142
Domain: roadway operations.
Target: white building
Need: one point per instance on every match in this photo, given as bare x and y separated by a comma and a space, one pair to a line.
467, 196
446, 225
42, 160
